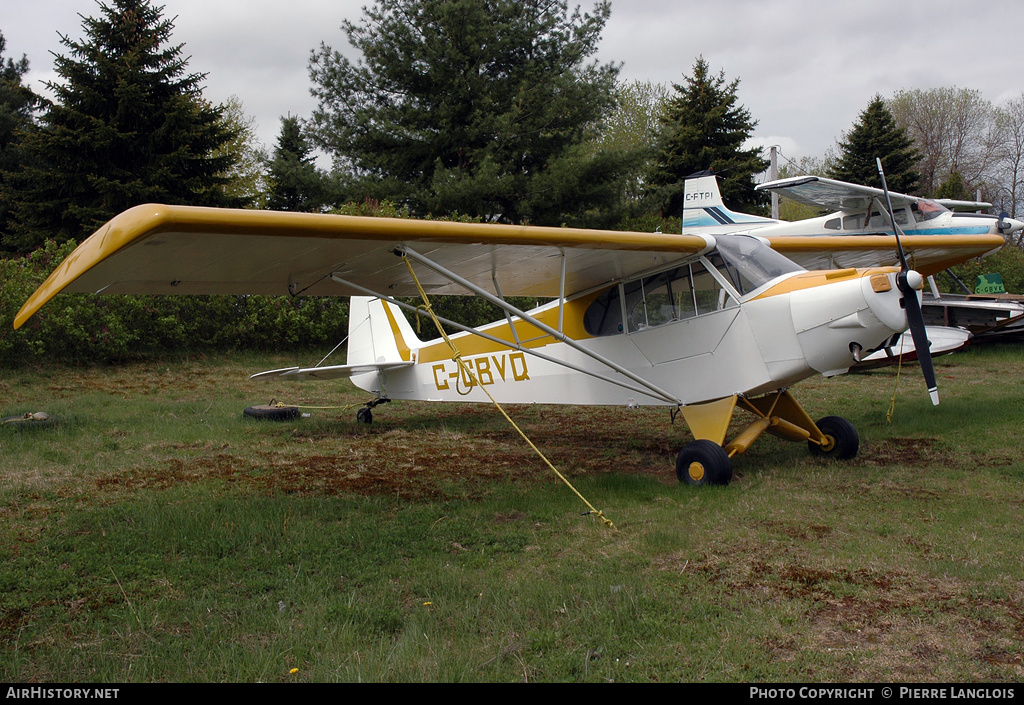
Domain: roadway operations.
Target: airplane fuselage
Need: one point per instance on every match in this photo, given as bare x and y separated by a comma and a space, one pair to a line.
718, 343
948, 223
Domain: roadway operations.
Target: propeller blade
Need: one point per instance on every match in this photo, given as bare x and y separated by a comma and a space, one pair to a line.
917, 330
911, 305
888, 211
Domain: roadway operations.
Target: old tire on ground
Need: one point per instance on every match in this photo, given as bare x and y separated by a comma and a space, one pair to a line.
841, 439
703, 462
38, 419
272, 413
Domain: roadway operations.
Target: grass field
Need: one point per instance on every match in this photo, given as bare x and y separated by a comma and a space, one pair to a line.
154, 534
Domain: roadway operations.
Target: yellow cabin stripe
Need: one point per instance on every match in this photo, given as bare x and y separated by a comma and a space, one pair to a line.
531, 337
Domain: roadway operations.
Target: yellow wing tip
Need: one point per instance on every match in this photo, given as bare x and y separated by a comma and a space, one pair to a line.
118, 232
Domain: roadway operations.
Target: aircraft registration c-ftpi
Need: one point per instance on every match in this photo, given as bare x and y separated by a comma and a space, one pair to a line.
704, 323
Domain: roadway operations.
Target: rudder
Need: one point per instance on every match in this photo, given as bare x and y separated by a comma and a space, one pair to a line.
378, 332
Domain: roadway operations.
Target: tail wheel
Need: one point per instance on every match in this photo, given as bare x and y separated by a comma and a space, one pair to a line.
703, 462
841, 439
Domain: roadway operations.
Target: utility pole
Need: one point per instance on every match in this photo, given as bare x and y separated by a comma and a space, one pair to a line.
773, 174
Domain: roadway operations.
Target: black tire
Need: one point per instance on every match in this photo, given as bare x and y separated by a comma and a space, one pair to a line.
703, 463
272, 413
841, 439
364, 415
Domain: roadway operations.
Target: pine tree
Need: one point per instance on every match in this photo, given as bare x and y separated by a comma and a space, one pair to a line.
295, 182
128, 126
18, 105
704, 128
876, 135
483, 107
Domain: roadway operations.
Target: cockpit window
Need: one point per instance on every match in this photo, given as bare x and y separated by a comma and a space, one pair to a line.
686, 290
927, 209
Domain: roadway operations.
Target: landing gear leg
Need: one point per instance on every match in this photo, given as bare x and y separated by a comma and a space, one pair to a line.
707, 460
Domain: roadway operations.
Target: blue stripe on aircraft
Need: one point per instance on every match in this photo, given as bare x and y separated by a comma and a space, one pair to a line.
719, 216
950, 231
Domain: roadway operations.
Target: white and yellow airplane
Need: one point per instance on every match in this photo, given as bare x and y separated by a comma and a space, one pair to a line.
703, 323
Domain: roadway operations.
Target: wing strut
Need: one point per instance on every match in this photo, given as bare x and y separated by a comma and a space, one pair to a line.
557, 335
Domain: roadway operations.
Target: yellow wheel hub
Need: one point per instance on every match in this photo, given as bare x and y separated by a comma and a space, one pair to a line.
696, 471
828, 443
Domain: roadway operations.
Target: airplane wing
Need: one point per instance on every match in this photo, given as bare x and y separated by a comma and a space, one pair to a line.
832, 195
159, 249
928, 254
953, 204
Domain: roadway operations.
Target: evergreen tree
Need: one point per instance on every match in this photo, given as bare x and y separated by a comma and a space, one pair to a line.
128, 126
17, 108
704, 127
295, 182
477, 106
954, 188
876, 135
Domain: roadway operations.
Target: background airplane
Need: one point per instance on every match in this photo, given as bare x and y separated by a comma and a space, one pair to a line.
857, 211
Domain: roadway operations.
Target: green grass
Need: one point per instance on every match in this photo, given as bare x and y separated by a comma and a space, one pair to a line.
154, 534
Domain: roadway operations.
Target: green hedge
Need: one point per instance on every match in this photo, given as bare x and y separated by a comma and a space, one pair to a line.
1009, 262
88, 328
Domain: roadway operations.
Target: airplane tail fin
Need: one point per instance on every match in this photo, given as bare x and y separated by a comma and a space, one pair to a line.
703, 208
378, 333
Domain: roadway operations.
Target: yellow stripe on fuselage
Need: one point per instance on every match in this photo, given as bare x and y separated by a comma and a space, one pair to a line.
530, 336
403, 347
809, 280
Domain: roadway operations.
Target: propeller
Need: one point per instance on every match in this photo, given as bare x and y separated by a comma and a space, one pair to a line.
1003, 223
908, 281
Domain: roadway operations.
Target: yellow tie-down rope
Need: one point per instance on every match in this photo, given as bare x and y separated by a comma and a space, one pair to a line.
471, 376
895, 385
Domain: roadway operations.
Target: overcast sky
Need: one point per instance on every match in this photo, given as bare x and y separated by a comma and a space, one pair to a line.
807, 68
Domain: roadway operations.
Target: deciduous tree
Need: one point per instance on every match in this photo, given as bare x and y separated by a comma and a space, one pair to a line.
952, 130
246, 178
1009, 165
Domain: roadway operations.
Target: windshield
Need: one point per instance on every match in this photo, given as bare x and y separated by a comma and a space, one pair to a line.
926, 209
749, 263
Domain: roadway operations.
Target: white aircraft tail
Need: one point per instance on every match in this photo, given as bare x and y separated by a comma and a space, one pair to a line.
378, 333
703, 209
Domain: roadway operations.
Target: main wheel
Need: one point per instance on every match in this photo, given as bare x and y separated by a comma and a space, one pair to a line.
841, 439
703, 462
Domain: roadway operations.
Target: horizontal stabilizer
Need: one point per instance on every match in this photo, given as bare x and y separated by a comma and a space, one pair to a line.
298, 374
